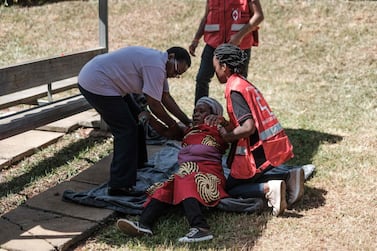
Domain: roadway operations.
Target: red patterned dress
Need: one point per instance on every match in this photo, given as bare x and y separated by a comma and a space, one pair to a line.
200, 173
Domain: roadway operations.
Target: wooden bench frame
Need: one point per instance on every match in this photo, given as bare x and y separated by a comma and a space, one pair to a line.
26, 82
29, 96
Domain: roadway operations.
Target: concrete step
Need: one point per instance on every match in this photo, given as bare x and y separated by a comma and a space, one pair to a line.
16, 148
46, 222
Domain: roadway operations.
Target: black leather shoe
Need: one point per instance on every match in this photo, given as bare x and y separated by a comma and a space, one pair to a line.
123, 191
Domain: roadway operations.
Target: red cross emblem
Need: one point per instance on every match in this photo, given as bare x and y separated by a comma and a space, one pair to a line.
235, 14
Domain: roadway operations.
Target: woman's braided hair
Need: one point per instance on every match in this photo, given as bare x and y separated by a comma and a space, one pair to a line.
232, 56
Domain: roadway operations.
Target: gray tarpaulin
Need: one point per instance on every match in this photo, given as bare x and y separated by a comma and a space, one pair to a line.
159, 167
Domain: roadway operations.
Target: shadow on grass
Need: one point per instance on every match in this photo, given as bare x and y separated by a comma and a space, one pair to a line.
313, 198
305, 146
44, 167
306, 142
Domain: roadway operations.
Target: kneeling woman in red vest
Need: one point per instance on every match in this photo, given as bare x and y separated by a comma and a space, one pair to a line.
199, 181
259, 142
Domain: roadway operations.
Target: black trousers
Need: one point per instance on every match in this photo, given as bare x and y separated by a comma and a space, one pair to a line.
129, 153
207, 71
156, 209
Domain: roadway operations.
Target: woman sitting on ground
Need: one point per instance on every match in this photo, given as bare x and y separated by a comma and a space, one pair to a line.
199, 181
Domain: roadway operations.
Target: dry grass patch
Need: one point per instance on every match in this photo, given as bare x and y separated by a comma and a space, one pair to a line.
316, 65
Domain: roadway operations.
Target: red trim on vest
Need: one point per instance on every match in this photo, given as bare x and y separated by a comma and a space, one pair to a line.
275, 142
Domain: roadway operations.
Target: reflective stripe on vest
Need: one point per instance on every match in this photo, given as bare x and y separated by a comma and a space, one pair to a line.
271, 131
212, 27
236, 27
240, 150
216, 27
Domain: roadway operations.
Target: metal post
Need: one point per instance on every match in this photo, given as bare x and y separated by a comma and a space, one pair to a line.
49, 92
103, 24
103, 40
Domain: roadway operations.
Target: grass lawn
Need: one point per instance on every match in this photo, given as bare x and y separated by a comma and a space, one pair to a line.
316, 66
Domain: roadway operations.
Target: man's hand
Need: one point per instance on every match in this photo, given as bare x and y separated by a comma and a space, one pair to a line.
193, 46
144, 117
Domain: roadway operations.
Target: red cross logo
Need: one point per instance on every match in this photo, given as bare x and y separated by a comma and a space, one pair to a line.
235, 15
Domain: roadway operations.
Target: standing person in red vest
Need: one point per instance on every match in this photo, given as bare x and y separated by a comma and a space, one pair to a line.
232, 21
259, 142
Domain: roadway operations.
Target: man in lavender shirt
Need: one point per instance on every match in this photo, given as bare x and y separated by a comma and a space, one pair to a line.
108, 81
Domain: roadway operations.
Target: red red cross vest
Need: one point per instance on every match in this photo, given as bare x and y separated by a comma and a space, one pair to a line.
225, 18
275, 142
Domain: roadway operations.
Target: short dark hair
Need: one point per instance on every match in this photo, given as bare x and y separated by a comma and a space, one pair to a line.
181, 54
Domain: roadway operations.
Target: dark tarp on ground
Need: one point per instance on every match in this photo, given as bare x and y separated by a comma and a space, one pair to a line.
159, 167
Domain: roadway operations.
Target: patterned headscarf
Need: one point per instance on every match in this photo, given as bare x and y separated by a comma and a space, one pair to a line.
216, 107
